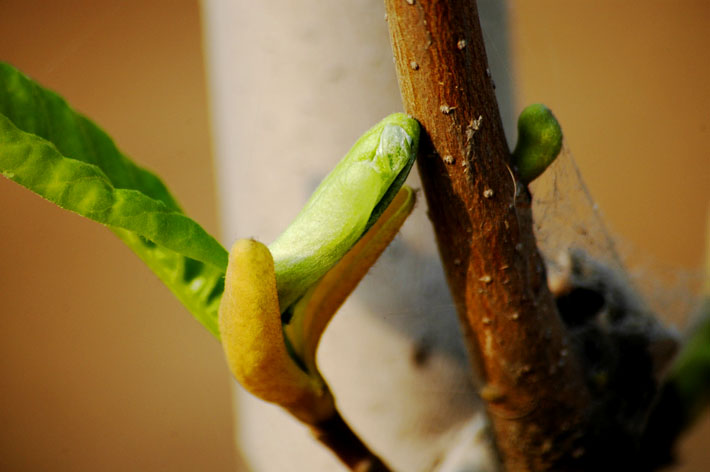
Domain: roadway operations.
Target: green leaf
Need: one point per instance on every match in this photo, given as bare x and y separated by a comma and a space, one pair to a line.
345, 205
41, 112
50, 149
197, 285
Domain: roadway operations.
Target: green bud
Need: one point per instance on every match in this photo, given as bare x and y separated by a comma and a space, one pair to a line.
539, 142
344, 206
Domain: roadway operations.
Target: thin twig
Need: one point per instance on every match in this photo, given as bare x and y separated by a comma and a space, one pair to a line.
337, 435
534, 387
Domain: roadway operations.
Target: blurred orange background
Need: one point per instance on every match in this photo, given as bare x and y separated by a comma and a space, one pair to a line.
101, 368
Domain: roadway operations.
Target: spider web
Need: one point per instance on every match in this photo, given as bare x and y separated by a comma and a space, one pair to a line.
566, 217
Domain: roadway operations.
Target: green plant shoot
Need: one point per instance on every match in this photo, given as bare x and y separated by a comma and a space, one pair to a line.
312, 268
62, 156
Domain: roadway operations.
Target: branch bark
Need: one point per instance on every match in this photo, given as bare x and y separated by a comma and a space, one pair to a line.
534, 388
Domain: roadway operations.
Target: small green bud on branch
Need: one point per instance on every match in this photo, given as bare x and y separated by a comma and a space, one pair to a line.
539, 142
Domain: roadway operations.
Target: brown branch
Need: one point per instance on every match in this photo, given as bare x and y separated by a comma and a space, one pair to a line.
339, 438
534, 388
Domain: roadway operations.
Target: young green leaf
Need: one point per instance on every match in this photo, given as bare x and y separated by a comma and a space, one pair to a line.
50, 149
314, 311
83, 188
197, 285
36, 110
346, 204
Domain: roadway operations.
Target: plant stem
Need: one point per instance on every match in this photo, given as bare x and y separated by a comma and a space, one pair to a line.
534, 388
337, 435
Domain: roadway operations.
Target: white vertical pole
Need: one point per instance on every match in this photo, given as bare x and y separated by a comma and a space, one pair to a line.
292, 85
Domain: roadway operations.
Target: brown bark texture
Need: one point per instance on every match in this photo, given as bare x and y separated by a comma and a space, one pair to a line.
533, 385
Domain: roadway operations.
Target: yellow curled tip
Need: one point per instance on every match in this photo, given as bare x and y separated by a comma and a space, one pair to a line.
253, 340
